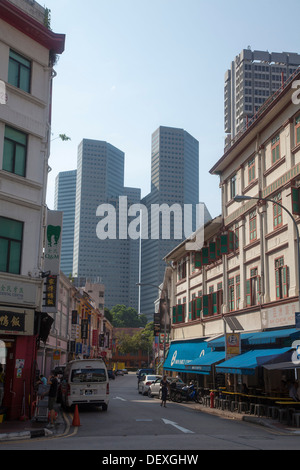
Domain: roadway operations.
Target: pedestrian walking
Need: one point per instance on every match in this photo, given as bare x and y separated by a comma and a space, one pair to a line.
164, 390
53, 382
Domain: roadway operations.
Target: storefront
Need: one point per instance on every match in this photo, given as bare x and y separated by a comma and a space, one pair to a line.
17, 354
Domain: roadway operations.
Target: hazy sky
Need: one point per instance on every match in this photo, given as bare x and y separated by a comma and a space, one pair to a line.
130, 66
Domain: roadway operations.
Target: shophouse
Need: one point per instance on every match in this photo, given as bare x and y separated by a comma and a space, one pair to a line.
245, 278
28, 50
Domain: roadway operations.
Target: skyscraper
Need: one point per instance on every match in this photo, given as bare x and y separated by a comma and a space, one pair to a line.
112, 262
174, 180
65, 196
252, 78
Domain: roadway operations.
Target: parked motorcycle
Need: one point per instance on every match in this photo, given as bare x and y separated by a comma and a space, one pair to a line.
188, 393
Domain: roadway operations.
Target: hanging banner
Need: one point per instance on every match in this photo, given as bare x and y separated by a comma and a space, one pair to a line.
53, 241
232, 345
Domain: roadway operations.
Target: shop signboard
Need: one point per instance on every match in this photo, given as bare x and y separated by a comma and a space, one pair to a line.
16, 322
232, 345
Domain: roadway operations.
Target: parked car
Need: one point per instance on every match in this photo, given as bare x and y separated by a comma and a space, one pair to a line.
145, 383
111, 374
119, 372
155, 387
125, 371
143, 372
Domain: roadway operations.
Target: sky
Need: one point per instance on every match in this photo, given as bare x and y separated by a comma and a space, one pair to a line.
131, 66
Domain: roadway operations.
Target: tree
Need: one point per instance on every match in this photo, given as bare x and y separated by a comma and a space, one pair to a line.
127, 317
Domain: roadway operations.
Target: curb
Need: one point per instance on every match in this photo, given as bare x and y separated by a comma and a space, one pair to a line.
25, 434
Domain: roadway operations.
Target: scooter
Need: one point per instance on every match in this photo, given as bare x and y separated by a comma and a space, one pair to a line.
188, 393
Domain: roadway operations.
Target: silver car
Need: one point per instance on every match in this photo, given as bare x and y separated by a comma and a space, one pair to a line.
146, 381
155, 388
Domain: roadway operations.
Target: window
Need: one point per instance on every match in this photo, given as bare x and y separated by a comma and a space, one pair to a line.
297, 130
237, 291
231, 293
253, 231
251, 170
275, 148
277, 212
11, 234
19, 71
281, 279
232, 187
15, 151
181, 271
253, 288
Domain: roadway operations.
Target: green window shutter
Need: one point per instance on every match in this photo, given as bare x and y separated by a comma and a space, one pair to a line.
205, 256
198, 259
179, 313
205, 305
230, 241
214, 303
175, 314
218, 248
212, 251
285, 281
224, 244
198, 307
190, 310
295, 201
248, 292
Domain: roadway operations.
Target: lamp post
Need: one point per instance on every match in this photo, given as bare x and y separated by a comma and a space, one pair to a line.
240, 198
165, 313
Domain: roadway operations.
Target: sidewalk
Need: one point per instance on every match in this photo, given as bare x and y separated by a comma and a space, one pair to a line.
29, 429
258, 420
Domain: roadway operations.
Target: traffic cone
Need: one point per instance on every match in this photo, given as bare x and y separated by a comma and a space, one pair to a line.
76, 420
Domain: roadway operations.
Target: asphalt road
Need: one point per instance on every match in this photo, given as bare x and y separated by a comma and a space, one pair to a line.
138, 426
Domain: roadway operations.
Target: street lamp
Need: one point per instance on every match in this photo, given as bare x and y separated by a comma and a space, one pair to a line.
239, 198
166, 311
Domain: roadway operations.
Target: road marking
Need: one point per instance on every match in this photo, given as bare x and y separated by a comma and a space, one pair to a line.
119, 398
186, 431
144, 419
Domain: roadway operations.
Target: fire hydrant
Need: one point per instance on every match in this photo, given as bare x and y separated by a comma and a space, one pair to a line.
212, 399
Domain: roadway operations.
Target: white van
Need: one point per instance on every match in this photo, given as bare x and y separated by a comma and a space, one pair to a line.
85, 381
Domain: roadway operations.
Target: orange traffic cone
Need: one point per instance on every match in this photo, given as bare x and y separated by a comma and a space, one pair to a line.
76, 420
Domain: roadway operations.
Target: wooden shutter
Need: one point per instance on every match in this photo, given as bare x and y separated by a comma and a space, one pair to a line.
205, 256
295, 200
205, 305
212, 251
224, 244
175, 314
248, 292
198, 259
285, 281
179, 313
198, 307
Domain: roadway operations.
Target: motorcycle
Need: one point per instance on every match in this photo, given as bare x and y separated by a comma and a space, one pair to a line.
188, 393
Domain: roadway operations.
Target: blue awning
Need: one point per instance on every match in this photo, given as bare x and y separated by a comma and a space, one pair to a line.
182, 353
259, 337
220, 342
204, 363
269, 337
246, 363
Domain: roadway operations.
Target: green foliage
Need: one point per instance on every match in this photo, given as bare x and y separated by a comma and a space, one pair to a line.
127, 317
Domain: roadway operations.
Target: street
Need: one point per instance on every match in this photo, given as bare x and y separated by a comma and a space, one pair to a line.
134, 422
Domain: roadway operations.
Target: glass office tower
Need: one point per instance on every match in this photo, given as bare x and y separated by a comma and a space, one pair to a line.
65, 195
174, 180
